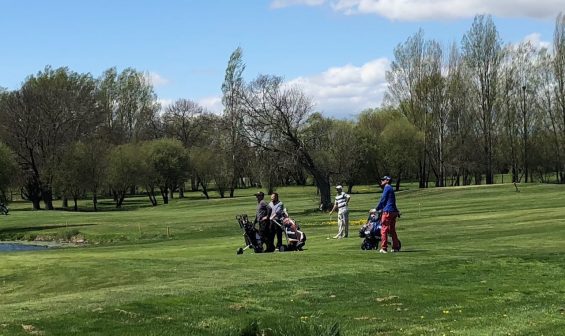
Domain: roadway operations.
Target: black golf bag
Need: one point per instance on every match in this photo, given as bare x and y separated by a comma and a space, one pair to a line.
371, 232
251, 235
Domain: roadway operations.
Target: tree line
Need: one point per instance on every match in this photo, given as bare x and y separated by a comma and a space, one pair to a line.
451, 116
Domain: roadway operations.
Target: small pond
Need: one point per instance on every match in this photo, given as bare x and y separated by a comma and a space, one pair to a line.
12, 247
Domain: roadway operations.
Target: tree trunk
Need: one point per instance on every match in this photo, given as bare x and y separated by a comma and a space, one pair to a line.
151, 195
326, 203
120, 201
478, 178
322, 181
165, 194
76, 204
95, 201
36, 203
204, 190
181, 190
397, 187
422, 174
194, 183
65, 202
47, 195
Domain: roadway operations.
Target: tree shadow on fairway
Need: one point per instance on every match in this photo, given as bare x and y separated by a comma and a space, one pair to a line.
39, 228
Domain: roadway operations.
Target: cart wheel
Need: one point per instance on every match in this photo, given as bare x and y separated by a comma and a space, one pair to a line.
240, 251
282, 248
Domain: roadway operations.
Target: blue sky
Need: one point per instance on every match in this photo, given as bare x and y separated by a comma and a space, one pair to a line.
336, 50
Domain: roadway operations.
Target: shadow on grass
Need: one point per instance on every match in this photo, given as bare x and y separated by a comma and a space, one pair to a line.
39, 228
412, 251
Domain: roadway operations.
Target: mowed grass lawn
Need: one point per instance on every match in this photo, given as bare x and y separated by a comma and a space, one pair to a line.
481, 260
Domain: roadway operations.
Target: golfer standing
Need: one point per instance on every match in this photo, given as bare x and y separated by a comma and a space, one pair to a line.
341, 202
277, 214
262, 215
388, 219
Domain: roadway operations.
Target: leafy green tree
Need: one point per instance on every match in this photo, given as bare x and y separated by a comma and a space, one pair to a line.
95, 154
69, 180
124, 170
148, 177
407, 91
83, 169
369, 126
129, 106
51, 110
482, 52
346, 153
203, 164
559, 75
400, 144
169, 159
8, 169
232, 118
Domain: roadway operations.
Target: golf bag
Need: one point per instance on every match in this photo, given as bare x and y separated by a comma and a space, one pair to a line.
371, 232
295, 238
251, 235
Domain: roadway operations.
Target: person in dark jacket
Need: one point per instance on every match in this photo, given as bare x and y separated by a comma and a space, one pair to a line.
262, 215
390, 212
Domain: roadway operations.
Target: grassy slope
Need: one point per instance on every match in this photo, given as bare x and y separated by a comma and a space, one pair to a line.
476, 261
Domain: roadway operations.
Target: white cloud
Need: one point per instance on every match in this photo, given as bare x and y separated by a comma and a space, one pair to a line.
164, 102
155, 79
536, 41
412, 10
340, 92
275, 4
347, 90
213, 104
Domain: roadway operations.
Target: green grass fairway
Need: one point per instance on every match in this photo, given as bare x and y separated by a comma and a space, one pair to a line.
476, 261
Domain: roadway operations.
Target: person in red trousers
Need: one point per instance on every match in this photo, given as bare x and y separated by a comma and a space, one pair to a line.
390, 212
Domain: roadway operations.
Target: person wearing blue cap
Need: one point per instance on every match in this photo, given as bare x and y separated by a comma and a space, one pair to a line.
387, 205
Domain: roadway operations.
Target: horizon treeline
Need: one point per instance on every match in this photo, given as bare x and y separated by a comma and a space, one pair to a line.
455, 115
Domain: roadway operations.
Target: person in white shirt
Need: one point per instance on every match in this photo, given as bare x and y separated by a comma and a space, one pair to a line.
340, 204
277, 213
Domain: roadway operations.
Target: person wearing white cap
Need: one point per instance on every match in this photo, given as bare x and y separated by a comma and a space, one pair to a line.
341, 202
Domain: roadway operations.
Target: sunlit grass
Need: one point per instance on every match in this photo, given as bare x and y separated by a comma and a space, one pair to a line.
476, 261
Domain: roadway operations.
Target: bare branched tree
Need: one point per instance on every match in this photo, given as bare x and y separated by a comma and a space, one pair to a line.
274, 118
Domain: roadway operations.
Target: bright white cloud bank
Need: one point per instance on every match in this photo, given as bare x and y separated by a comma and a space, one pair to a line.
536, 41
413, 10
212, 104
340, 92
345, 91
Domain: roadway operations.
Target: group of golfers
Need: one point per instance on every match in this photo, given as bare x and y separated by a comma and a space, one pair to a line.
387, 205
268, 213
